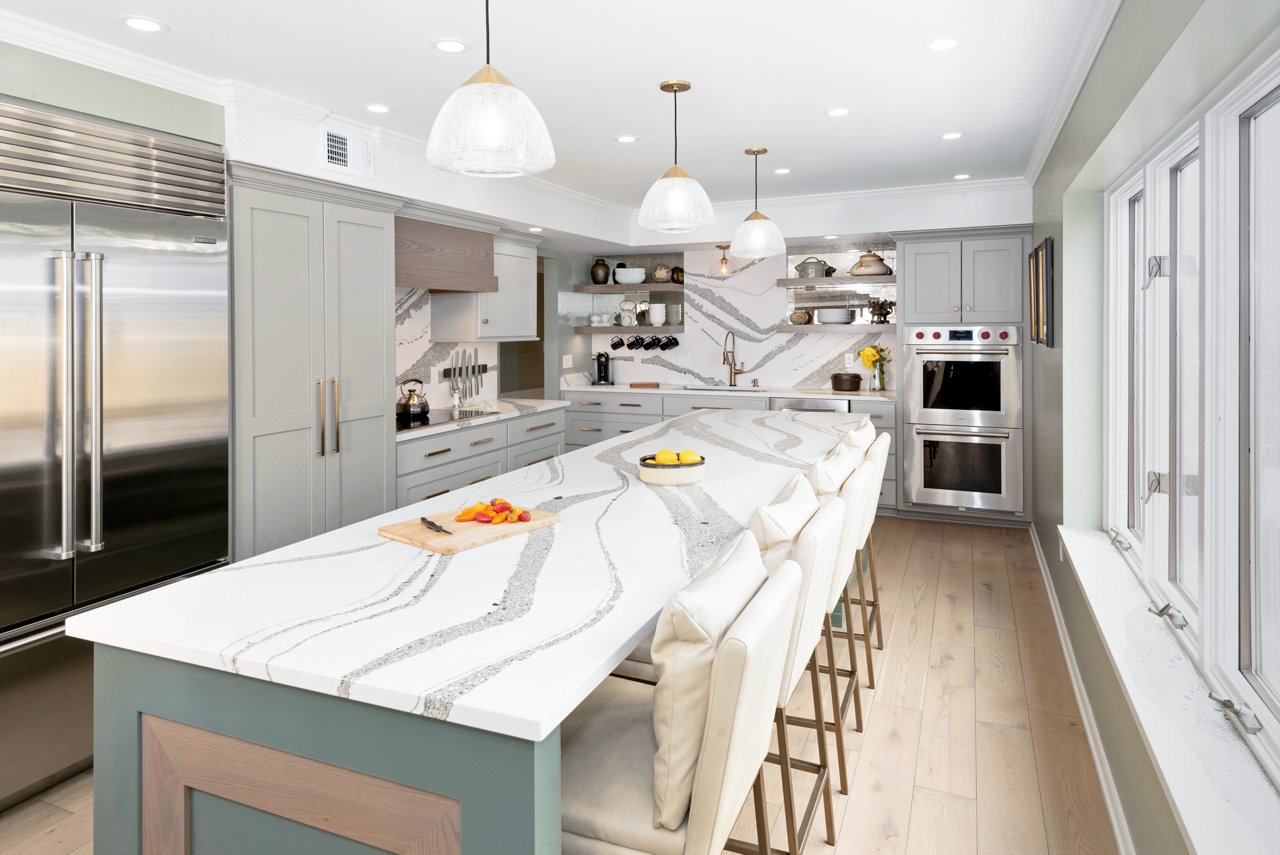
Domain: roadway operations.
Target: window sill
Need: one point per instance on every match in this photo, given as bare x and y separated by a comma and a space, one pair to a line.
1220, 793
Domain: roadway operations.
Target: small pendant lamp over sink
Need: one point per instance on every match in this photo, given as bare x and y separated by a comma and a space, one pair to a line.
489, 128
676, 202
757, 236
723, 268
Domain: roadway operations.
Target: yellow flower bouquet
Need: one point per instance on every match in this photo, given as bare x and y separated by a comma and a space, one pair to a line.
874, 357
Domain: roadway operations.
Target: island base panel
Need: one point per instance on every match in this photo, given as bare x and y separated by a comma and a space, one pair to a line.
227, 750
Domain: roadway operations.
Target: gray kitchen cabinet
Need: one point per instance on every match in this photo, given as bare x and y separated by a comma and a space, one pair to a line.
678, 405
590, 428
964, 278
930, 288
313, 363
991, 277
534, 427
537, 451
438, 480
620, 403
508, 314
449, 446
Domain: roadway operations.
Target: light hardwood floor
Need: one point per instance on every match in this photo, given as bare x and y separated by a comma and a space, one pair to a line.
973, 741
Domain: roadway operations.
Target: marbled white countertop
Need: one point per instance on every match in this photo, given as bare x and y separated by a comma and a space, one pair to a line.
509, 637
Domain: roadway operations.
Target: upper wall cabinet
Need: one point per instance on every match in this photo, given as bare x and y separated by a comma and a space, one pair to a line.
508, 314
974, 280
443, 258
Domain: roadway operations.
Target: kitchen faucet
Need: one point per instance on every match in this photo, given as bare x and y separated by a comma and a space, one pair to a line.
730, 358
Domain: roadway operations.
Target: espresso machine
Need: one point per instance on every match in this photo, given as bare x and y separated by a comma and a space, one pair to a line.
604, 370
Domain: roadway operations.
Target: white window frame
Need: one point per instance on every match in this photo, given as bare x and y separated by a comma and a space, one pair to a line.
1221, 643
1213, 642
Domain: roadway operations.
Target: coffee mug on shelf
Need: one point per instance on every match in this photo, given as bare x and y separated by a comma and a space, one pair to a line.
668, 342
635, 342
616, 342
652, 342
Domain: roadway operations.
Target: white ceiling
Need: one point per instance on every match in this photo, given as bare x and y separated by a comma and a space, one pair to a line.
764, 73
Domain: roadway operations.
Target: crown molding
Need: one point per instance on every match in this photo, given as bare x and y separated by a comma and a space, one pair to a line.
418, 211
1016, 230
1095, 33
264, 178
854, 196
241, 94
578, 196
518, 238
37, 36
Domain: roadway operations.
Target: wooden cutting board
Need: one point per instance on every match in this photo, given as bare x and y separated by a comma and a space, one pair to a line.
466, 535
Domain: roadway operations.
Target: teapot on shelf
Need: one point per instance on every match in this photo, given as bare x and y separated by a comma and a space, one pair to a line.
870, 264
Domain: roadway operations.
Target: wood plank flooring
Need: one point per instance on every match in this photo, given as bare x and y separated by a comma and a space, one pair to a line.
973, 741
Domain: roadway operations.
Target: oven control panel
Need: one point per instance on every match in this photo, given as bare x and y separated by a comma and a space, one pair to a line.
971, 335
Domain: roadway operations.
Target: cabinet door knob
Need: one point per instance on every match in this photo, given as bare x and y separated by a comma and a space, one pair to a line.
485, 321
955, 308
968, 308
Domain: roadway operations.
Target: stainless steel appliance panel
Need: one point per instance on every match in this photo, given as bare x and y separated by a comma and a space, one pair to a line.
963, 467
153, 445
35, 329
813, 405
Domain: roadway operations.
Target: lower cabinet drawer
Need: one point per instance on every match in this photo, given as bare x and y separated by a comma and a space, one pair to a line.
586, 428
883, 413
433, 451
678, 405
888, 494
614, 403
438, 480
530, 453
533, 427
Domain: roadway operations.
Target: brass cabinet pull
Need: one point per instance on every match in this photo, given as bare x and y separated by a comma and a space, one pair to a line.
337, 419
589, 403
713, 408
433, 495
478, 480
624, 431
591, 430
320, 408
630, 405
539, 427
438, 451
539, 460
485, 441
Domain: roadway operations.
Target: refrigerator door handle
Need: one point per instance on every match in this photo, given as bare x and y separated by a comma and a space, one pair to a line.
93, 273
337, 422
64, 278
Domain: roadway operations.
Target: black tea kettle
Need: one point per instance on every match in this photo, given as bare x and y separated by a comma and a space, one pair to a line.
412, 405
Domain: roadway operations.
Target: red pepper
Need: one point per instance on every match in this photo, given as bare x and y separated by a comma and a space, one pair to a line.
501, 506
484, 517
525, 516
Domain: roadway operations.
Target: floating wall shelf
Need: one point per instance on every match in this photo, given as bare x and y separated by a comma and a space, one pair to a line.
646, 287
889, 279
628, 330
835, 328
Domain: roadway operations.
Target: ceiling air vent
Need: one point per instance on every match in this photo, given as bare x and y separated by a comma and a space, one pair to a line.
342, 151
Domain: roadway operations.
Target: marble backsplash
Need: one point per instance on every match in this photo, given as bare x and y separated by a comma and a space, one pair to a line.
418, 357
751, 305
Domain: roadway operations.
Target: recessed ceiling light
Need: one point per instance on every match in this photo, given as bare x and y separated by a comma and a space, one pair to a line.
782, 171
943, 44
144, 25
377, 108
452, 46
831, 237
626, 138
952, 135
962, 176
836, 112
535, 228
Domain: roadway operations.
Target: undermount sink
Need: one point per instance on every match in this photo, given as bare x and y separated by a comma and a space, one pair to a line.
755, 389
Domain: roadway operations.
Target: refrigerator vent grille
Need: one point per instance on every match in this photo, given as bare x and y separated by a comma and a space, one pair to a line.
55, 155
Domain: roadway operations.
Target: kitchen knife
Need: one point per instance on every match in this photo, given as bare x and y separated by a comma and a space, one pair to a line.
475, 360
434, 526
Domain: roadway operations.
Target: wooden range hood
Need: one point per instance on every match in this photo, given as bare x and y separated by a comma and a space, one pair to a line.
443, 258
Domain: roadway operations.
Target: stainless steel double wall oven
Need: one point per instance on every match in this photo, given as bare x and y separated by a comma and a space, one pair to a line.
962, 408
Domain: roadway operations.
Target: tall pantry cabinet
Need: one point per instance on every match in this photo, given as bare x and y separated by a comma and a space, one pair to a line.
313, 443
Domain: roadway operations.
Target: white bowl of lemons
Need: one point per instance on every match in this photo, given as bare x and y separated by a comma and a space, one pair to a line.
669, 469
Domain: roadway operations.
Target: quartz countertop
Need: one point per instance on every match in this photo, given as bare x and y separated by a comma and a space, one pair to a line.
508, 637
762, 392
503, 408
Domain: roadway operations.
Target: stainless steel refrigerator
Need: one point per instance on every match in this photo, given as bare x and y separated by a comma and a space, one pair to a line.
113, 425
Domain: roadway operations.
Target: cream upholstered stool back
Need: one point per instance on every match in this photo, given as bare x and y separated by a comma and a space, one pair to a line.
608, 743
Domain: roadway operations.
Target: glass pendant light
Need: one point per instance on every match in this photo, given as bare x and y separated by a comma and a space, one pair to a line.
676, 202
757, 236
489, 128
723, 268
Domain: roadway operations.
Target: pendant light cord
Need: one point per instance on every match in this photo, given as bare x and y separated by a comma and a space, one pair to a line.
675, 124
756, 159
486, 32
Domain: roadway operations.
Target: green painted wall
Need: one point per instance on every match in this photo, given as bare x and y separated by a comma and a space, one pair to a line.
1160, 59
61, 83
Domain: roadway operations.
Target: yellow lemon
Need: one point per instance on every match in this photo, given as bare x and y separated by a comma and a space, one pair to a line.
690, 456
666, 457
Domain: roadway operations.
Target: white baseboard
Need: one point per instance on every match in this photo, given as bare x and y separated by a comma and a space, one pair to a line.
1119, 826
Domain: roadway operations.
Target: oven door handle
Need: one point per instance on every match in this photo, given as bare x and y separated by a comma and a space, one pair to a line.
1004, 351
979, 434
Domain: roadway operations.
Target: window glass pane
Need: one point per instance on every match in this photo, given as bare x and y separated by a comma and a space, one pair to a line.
1263, 403
1137, 279
1191, 362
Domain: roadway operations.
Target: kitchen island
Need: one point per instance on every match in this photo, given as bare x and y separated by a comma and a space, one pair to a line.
348, 692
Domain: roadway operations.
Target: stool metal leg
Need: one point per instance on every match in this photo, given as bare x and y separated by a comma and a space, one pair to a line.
875, 590
788, 786
833, 680
825, 779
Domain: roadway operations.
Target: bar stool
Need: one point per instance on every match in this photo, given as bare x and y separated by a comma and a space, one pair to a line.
608, 746
863, 489
794, 526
